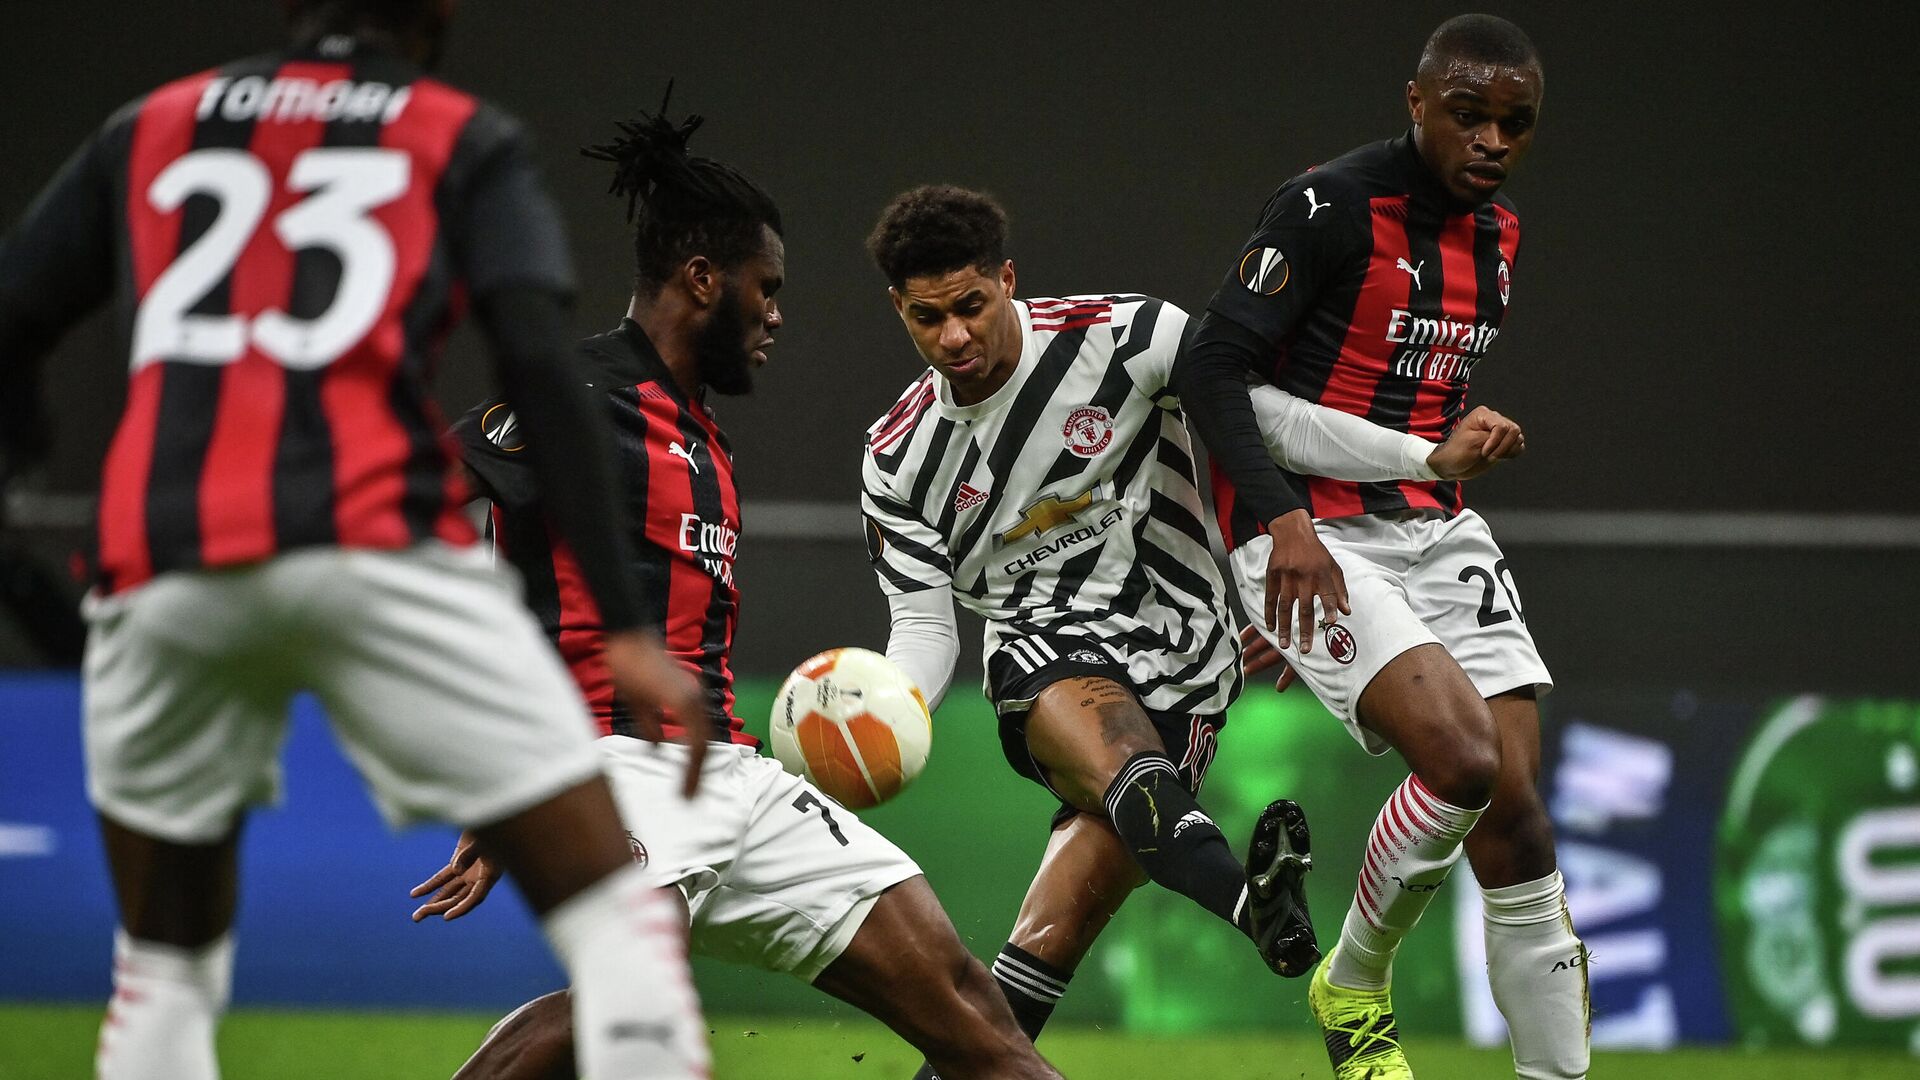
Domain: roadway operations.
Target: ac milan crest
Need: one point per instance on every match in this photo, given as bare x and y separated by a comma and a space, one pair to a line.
639, 850
1088, 430
1340, 644
1506, 279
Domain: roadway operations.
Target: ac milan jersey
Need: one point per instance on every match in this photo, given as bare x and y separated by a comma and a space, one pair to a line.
291, 236
1066, 502
676, 475
1378, 293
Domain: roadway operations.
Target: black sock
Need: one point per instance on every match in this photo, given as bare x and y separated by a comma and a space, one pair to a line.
1174, 840
1032, 988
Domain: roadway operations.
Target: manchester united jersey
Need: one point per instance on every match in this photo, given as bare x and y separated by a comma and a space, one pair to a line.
1066, 502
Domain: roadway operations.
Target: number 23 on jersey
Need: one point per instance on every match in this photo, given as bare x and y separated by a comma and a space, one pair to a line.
344, 185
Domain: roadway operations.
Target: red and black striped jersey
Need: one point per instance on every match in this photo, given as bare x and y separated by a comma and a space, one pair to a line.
291, 237
675, 473
1377, 292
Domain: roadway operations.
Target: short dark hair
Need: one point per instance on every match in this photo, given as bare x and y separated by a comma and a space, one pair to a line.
681, 205
1486, 39
937, 229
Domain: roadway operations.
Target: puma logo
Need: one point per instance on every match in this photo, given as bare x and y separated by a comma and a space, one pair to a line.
683, 452
1412, 271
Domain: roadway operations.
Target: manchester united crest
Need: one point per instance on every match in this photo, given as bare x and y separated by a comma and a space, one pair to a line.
1088, 430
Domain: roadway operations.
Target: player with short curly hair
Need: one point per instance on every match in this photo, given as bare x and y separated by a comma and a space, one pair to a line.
1040, 473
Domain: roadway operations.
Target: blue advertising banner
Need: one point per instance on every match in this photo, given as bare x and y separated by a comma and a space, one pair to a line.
323, 913
1632, 781
1740, 871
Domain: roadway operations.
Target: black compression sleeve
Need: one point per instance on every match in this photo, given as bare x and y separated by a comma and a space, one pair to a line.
1211, 379
567, 441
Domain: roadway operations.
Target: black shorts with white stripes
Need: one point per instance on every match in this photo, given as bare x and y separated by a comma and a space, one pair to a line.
1022, 667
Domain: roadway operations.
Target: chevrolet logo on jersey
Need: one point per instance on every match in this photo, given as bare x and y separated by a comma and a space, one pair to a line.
1047, 515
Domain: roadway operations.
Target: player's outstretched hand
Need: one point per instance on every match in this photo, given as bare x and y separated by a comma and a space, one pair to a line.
1299, 571
653, 684
1257, 654
465, 881
1480, 440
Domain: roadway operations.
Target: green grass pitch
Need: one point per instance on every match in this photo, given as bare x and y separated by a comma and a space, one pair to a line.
56, 1043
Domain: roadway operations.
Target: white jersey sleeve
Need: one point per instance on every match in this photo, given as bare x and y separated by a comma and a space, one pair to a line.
924, 640
1317, 441
908, 554
1152, 361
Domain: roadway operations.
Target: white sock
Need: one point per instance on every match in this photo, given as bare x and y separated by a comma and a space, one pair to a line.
166, 1003
1538, 971
635, 1013
1414, 843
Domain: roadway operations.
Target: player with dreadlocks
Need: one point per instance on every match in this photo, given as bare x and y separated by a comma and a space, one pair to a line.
773, 873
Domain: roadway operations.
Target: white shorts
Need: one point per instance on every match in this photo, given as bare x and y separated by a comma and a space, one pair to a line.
776, 874
1412, 579
436, 680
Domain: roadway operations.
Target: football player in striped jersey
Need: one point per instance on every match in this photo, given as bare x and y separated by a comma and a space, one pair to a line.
1040, 472
1375, 284
770, 871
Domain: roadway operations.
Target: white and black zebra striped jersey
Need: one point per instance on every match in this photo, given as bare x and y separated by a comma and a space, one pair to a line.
1065, 503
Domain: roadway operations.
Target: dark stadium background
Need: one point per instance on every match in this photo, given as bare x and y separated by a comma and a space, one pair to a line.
1706, 311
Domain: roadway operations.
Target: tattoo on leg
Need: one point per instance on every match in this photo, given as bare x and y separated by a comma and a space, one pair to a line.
1118, 720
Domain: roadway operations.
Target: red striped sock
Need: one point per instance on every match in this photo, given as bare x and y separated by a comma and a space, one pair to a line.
1412, 847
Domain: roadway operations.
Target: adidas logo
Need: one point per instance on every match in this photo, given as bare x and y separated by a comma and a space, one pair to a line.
1191, 817
968, 497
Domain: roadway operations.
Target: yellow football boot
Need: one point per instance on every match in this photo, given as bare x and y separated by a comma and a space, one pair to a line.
1363, 1041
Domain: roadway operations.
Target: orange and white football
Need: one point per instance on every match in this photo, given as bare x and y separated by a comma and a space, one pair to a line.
850, 721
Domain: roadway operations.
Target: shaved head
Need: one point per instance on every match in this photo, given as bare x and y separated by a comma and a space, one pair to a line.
1480, 40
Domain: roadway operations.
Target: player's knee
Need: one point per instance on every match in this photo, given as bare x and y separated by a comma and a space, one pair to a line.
1468, 772
1519, 819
